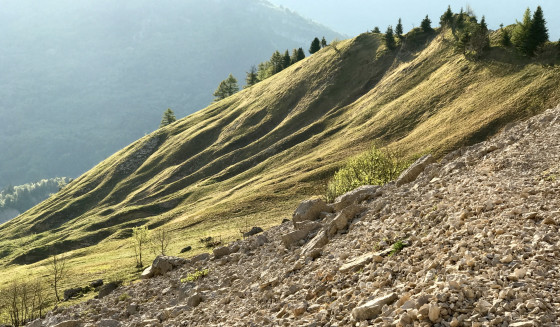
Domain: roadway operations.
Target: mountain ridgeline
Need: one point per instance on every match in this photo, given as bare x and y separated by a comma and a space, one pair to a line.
82, 79
249, 158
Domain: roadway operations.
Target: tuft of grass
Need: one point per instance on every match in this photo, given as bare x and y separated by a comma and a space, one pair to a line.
192, 277
397, 247
373, 167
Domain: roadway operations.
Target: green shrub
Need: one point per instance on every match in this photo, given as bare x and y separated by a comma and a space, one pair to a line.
195, 276
397, 247
373, 167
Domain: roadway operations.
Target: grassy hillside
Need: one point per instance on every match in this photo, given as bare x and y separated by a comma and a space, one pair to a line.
250, 158
80, 80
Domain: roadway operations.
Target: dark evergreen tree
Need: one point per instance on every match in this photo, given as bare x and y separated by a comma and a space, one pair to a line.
390, 38
538, 33
300, 54
315, 46
167, 118
252, 77
479, 40
399, 29
376, 30
460, 20
446, 20
426, 24
226, 88
286, 60
483, 24
505, 38
323, 42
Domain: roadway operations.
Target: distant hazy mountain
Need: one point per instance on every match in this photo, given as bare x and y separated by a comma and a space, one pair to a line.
81, 79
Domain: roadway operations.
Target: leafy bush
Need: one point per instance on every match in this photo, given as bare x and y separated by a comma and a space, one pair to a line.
195, 276
373, 167
397, 247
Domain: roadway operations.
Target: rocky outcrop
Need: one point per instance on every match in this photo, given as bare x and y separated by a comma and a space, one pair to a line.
163, 264
309, 210
410, 174
356, 196
253, 231
474, 241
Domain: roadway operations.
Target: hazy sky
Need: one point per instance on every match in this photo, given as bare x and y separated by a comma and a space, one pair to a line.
353, 17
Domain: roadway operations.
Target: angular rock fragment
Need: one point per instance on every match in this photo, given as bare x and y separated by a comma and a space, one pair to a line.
293, 237
356, 196
255, 230
342, 219
357, 262
221, 252
373, 308
412, 172
313, 247
309, 210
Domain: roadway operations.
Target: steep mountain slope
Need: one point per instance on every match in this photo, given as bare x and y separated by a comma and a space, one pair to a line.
473, 241
250, 158
80, 80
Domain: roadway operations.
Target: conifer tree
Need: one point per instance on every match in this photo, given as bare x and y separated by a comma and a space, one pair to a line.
264, 71
232, 85
505, 38
538, 33
521, 34
323, 42
294, 57
315, 46
167, 118
390, 38
226, 88
300, 54
277, 62
376, 30
252, 77
460, 20
426, 24
399, 29
446, 20
286, 60
479, 40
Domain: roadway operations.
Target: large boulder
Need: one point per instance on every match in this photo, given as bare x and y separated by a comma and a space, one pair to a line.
186, 249
293, 237
310, 210
343, 218
162, 264
313, 248
73, 292
253, 231
201, 257
412, 172
355, 196
221, 252
108, 288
